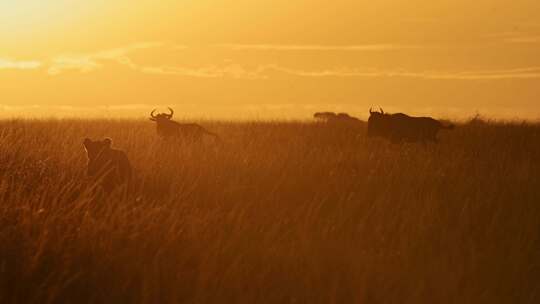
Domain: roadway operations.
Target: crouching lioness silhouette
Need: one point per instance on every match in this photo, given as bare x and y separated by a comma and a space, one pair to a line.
107, 168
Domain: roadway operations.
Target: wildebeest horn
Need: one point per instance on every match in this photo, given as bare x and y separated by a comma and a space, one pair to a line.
152, 113
172, 113
382, 112
370, 111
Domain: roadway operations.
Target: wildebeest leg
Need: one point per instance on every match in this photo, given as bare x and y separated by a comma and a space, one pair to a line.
198, 138
396, 140
434, 138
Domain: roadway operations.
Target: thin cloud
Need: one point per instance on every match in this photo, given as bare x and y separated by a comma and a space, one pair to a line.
279, 47
180, 47
93, 61
228, 71
524, 39
269, 71
516, 37
6, 63
90, 62
521, 73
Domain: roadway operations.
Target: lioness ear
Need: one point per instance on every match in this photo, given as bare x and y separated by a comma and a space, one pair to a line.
108, 142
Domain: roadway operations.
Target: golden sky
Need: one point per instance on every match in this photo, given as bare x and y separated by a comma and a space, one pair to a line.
270, 58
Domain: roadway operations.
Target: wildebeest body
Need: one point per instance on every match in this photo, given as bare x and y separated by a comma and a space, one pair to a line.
187, 131
331, 117
169, 129
400, 127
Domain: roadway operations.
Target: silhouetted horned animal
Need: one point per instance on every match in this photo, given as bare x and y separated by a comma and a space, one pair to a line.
332, 117
108, 167
400, 127
169, 129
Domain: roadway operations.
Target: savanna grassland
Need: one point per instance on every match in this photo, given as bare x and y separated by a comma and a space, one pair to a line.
280, 212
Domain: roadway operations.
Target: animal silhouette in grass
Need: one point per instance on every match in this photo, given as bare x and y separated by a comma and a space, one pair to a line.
170, 129
400, 127
108, 168
331, 117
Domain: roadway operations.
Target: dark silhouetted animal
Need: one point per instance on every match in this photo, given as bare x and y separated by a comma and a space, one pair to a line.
108, 167
331, 117
400, 127
169, 129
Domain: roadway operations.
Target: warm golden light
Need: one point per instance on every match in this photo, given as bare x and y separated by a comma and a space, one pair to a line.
41, 17
269, 151
272, 58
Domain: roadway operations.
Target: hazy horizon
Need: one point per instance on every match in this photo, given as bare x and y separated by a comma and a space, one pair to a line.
251, 112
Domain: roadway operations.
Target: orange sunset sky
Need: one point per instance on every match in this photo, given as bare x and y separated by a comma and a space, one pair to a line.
269, 59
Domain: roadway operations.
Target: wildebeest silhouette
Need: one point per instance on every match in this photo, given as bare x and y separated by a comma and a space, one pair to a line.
400, 127
169, 129
107, 167
331, 117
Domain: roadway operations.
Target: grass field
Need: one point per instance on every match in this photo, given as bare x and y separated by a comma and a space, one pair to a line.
281, 212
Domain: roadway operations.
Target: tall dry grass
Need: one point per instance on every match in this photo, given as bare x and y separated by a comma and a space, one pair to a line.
280, 213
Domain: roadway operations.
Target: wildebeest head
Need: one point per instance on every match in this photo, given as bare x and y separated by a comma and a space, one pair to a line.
161, 116
377, 122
